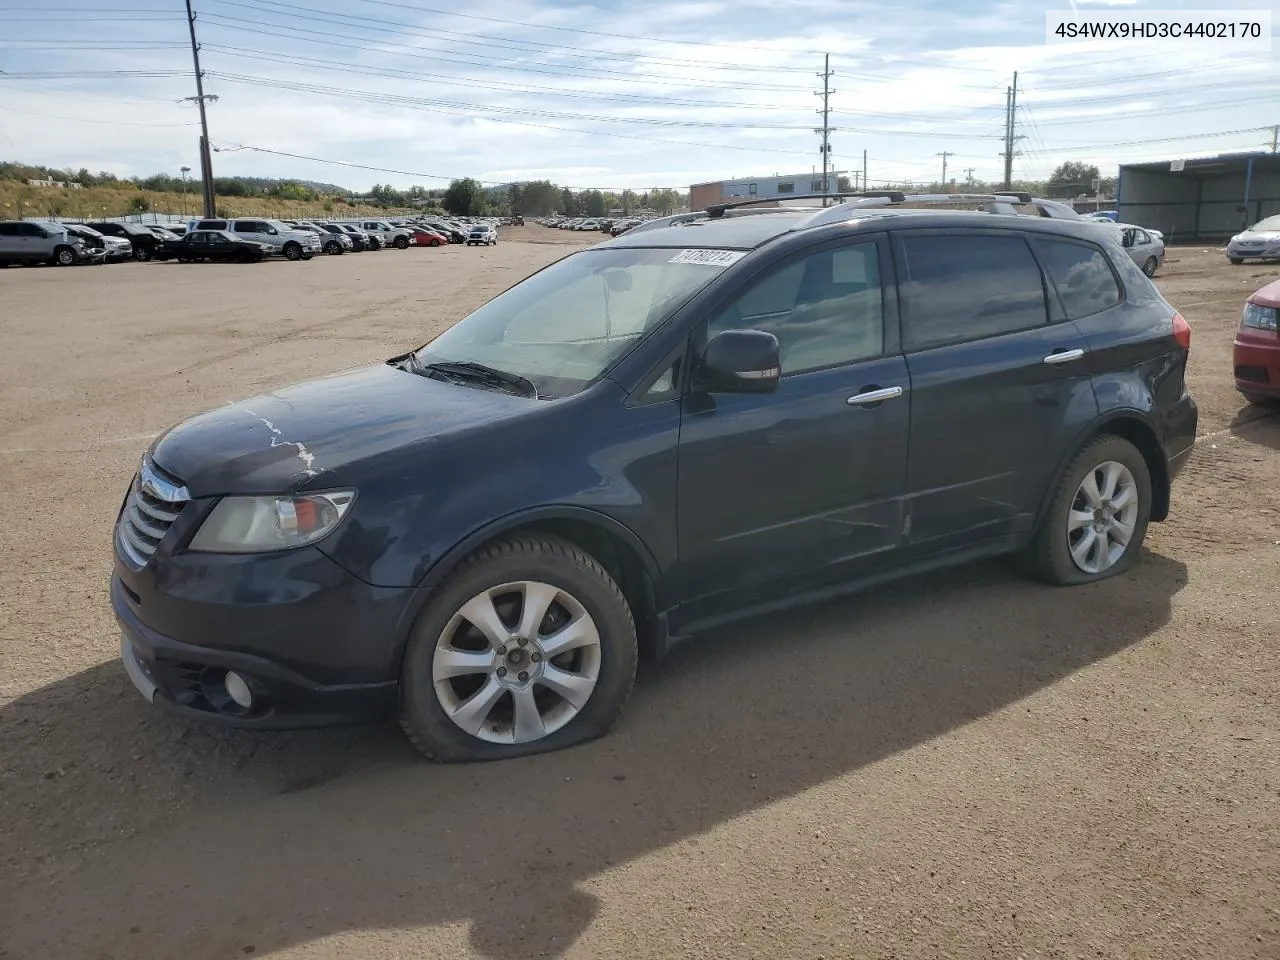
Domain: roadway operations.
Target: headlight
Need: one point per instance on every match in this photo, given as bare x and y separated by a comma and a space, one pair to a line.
1258, 317
261, 524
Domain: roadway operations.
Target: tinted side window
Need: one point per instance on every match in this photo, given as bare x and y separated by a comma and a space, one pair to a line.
957, 288
8, 229
1081, 275
825, 309
211, 225
33, 230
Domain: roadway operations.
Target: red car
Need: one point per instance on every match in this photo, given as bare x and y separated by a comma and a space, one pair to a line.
1257, 349
428, 238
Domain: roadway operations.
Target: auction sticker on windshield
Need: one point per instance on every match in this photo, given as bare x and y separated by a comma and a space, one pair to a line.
710, 258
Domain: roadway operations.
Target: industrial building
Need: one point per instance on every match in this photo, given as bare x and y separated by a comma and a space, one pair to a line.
777, 187
1200, 200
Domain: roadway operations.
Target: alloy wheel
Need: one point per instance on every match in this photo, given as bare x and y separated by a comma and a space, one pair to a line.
517, 662
1102, 518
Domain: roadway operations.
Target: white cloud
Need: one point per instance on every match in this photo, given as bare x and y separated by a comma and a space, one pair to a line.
454, 96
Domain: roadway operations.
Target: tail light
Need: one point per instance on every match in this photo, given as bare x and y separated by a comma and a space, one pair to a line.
1182, 332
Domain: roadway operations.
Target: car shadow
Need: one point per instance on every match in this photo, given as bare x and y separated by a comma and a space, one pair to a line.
132, 834
1258, 425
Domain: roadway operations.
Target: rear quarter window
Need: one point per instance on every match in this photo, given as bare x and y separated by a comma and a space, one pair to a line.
1082, 276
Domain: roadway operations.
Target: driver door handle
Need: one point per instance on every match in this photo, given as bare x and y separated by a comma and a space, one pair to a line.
874, 396
1064, 356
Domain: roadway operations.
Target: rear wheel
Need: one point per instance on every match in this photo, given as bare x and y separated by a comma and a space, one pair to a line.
1098, 517
529, 646
1150, 267
293, 251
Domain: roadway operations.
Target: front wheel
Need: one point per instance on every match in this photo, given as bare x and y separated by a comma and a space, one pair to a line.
64, 257
1151, 266
141, 254
402, 243
435, 243
1097, 520
333, 248
1235, 261
529, 646
293, 251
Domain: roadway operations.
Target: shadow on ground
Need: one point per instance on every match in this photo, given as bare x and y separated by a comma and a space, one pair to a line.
133, 835
1258, 424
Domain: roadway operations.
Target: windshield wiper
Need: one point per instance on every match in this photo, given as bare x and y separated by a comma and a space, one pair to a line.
479, 372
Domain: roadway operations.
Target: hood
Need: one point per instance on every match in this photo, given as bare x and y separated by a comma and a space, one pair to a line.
1268, 296
324, 433
1264, 235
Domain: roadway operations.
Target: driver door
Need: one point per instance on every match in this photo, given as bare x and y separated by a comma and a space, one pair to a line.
802, 486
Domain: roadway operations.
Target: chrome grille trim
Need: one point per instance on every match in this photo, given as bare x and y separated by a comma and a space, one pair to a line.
154, 502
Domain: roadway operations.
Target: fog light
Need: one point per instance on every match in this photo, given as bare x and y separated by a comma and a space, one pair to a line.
238, 690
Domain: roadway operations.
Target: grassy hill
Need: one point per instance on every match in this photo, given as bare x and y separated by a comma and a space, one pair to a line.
17, 199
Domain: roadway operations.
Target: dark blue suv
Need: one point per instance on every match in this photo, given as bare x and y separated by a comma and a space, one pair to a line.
684, 425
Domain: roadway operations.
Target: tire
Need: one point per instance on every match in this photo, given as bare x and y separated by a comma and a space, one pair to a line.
333, 248
1235, 261
402, 243
293, 251
435, 243
64, 257
1151, 266
141, 254
1049, 557
583, 590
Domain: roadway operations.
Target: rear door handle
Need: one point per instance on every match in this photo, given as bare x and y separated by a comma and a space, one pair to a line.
874, 396
1064, 356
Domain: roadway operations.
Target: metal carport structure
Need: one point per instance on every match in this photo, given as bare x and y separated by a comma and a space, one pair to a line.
1200, 200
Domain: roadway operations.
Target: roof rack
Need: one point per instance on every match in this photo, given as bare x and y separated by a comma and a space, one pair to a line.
717, 210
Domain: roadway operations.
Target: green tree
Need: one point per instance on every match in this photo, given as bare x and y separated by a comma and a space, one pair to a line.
568, 202
328, 206
592, 203
464, 198
1071, 178
628, 201
139, 204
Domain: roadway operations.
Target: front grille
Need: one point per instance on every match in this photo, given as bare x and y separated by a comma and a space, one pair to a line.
154, 502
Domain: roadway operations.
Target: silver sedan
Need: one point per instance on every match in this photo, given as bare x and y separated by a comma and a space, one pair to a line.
1259, 242
1145, 247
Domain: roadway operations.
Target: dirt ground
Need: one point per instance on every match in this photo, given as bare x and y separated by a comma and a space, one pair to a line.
961, 765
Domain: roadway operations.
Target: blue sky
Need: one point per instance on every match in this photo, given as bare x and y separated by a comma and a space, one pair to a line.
609, 94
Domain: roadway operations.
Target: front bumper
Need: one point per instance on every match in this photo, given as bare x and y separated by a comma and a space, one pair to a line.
1255, 358
316, 645
1268, 251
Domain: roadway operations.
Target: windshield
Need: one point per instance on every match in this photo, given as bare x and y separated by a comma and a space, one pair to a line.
564, 327
1267, 225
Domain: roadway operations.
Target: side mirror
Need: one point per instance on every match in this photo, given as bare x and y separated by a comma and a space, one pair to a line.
740, 361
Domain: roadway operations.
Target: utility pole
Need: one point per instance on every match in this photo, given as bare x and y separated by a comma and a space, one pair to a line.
1010, 130
865, 184
944, 154
1275, 139
206, 160
825, 129
968, 176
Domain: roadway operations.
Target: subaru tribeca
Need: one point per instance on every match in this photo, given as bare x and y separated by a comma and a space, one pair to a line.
671, 429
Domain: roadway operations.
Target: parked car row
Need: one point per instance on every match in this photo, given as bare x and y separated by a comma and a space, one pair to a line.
244, 239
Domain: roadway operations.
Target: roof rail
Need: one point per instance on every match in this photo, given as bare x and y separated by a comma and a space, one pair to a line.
996, 203
717, 210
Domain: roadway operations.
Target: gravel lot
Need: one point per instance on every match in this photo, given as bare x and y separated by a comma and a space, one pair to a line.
961, 765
